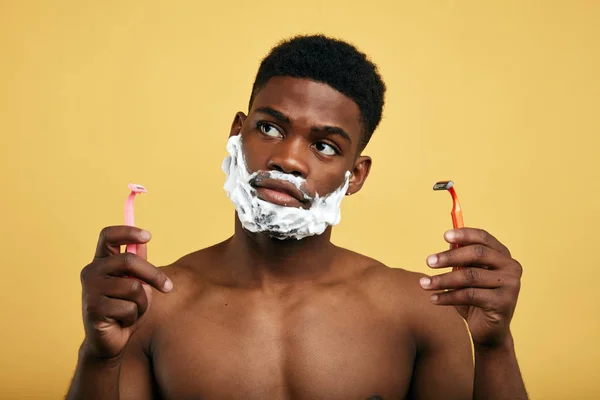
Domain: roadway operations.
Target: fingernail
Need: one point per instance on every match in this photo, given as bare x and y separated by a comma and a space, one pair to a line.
425, 281
434, 298
145, 235
168, 285
450, 235
432, 260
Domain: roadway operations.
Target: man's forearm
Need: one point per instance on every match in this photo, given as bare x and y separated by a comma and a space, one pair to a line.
95, 379
497, 374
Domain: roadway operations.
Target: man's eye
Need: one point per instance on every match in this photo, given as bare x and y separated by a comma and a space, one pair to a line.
269, 129
325, 149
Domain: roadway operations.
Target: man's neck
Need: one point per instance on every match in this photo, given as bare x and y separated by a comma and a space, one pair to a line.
265, 261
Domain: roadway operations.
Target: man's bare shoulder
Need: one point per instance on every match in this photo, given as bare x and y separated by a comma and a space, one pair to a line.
201, 263
388, 284
191, 274
397, 292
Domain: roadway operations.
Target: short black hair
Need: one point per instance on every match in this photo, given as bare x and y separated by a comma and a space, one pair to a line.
331, 61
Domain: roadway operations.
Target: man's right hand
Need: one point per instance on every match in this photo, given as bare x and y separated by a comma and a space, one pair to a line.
117, 291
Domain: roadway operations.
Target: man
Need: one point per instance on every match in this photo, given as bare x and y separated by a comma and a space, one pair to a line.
279, 312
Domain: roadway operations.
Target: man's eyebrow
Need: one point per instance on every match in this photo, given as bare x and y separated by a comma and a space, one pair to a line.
281, 117
273, 113
335, 130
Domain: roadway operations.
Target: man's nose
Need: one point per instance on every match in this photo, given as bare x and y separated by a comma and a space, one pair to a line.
289, 156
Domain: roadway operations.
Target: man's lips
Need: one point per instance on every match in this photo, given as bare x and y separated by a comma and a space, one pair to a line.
280, 192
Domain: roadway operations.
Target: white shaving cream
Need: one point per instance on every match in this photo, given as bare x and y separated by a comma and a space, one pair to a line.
278, 221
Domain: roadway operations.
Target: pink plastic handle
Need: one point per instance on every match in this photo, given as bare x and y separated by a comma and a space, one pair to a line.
129, 220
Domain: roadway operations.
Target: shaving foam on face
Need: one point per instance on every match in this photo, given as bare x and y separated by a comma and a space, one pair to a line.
281, 222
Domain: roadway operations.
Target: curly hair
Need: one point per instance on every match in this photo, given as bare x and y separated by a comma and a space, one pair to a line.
333, 62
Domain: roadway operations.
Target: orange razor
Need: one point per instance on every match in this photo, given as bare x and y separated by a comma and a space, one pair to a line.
457, 217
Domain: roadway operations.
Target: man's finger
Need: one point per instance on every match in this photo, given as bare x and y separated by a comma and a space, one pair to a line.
142, 251
112, 237
123, 311
463, 278
482, 298
127, 289
467, 236
475, 255
131, 265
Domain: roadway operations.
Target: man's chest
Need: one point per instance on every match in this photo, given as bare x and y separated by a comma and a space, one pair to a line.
260, 350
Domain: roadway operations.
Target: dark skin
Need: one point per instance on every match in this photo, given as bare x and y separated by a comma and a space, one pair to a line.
259, 318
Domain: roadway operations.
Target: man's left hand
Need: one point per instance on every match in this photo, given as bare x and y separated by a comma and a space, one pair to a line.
484, 291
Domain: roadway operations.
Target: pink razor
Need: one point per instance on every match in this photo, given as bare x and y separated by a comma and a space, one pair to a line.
129, 220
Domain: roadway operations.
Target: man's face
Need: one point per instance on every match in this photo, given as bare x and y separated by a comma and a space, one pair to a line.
306, 129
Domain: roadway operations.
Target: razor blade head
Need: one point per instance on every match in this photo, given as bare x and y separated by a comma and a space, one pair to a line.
443, 185
137, 188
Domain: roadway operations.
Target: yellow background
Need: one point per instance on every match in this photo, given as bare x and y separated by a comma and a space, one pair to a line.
502, 97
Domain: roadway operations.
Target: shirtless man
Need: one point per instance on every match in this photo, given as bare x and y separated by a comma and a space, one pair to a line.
279, 312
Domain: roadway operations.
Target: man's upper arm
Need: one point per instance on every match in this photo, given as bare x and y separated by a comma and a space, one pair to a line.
136, 378
444, 364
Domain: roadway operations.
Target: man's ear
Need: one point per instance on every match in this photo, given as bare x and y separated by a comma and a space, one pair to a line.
237, 124
362, 166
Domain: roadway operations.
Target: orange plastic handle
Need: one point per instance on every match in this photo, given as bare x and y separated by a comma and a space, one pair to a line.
457, 217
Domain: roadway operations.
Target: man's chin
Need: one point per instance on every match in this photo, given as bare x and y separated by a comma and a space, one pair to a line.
281, 237
278, 235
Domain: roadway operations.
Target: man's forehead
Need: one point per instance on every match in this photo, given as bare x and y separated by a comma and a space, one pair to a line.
306, 100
